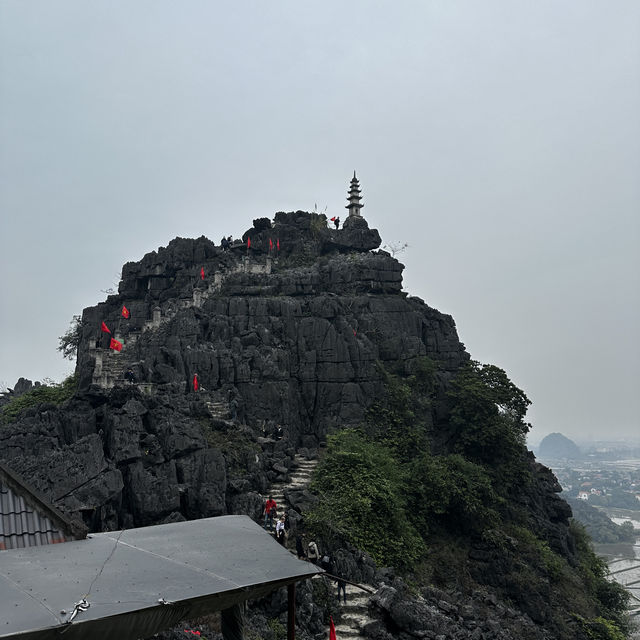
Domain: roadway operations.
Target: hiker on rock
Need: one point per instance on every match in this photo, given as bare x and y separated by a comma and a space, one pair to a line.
337, 222
224, 243
270, 509
233, 406
327, 564
313, 555
299, 547
280, 532
129, 376
342, 585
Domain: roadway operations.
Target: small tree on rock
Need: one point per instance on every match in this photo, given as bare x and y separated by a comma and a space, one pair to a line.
68, 343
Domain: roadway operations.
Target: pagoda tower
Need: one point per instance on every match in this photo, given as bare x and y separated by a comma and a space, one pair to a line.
354, 198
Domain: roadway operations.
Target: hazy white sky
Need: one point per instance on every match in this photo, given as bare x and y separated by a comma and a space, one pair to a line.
500, 139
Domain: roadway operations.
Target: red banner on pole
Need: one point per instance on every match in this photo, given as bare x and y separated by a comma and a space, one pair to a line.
105, 328
115, 345
201, 273
196, 386
125, 312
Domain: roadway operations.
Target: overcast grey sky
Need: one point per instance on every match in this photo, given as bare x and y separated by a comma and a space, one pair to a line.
500, 139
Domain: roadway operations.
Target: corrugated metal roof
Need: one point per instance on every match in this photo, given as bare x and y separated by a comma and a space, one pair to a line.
27, 519
23, 526
140, 581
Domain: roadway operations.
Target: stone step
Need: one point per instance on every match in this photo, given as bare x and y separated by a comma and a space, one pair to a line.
347, 632
357, 604
354, 619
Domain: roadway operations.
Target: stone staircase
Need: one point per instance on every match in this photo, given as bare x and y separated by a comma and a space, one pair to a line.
219, 410
354, 614
299, 478
109, 368
110, 365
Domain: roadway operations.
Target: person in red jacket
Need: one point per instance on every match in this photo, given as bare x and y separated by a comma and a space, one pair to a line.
270, 509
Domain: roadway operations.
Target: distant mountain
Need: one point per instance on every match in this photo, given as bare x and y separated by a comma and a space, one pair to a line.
555, 446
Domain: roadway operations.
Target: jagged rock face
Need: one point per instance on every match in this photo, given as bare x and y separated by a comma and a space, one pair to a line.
296, 341
289, 336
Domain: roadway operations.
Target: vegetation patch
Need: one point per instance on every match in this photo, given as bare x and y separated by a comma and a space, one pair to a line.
53, 393
382, 488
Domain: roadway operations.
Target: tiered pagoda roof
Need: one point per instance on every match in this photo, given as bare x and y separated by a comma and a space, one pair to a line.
354, 197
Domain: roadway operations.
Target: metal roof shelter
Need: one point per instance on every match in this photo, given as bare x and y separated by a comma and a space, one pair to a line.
27, 519
137, 582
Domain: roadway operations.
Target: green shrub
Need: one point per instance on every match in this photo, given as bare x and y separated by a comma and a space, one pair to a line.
451, 492
488, 417
399, 420
50, 393
361, 491
539, 554
278, 630
601, 629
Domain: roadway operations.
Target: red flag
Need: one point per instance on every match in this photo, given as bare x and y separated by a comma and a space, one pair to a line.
125, 312
201, 273
248, 243
333, 219
278, 244
105, 328
114, 344
332, 629
196, 386
270, 244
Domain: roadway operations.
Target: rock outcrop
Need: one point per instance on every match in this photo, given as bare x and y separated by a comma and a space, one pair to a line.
288, 331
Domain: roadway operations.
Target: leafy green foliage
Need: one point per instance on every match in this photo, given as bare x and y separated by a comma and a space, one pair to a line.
611, 597
52, 393
361, 495
452, 492
68, 343
488, 416
399, 419
601, 629
383, 489
277, 629
538, 553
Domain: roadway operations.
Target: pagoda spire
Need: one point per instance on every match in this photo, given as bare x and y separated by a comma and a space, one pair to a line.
354, 197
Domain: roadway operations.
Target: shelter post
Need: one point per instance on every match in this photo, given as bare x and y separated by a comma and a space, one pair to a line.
232, 622
291, 597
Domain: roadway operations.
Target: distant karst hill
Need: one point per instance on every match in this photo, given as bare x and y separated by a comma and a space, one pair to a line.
555, 446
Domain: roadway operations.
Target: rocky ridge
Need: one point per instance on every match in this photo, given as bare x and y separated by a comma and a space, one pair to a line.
289, 332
